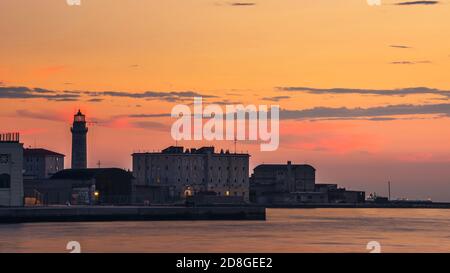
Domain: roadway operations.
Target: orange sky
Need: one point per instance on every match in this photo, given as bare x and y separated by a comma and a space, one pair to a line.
240, 54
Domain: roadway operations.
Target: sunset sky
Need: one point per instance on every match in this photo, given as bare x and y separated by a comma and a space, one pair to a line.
364, 90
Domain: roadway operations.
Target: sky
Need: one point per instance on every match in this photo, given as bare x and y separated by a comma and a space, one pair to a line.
364, 90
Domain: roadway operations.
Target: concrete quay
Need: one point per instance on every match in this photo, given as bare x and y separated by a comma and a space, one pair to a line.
102, 214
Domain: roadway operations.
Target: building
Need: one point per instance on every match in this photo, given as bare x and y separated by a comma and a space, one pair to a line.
184, 173
341, 195
11, 166
82, 187
79, 145
41, 163
289, 184
285, 178
283, 183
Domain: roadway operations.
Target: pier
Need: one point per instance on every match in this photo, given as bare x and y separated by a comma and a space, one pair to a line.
102, 214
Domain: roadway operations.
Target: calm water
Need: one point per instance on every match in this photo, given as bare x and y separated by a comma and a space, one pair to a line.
286, 230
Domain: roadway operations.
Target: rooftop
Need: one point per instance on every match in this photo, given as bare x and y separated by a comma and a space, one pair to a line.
86, 174
178, 150
40, 152
274, 167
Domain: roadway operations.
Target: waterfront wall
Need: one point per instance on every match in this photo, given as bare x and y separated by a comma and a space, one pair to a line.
81, 214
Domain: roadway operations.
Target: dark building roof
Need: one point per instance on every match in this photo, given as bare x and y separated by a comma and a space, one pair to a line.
276, 167
179, 150
87, 174
173, 150
40, 152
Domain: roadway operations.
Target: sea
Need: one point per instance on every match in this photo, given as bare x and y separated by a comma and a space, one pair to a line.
285, 231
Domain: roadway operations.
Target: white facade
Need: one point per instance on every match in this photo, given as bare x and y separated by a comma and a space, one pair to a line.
11, 171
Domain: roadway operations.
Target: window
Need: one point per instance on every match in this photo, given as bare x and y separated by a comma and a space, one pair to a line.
5, 181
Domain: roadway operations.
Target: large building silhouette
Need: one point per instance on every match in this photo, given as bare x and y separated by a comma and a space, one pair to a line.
293, 184
193, 172
79, 146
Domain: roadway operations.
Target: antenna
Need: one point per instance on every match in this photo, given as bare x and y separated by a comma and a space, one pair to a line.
389, 190
235, 143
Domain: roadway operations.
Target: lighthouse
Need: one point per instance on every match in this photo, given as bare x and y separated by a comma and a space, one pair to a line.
79, 146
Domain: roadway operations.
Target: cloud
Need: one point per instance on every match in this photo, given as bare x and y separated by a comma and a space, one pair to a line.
373, 113
95, 100
379, 92
400, 46
150, 125
276, 98
166, 96
416, 3
21, 92
411, 62
223, 102
34, 93
242, 4
402, 62
149, 115
381, 113
119, 122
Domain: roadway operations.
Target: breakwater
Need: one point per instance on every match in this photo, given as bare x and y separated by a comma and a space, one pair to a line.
99, 214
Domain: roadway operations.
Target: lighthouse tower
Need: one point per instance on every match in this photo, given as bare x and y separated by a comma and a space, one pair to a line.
79, 146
